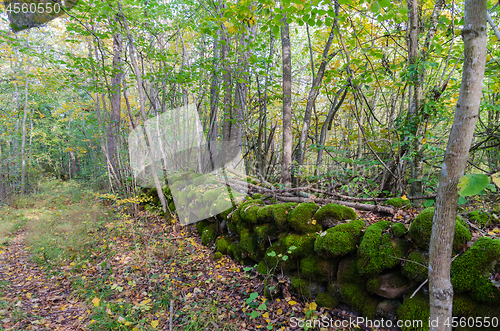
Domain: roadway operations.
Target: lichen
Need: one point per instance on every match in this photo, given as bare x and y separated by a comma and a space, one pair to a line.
330, 214
339, 240
398, 202
301, 218
378, 251
421, 230
415, 266
472, 270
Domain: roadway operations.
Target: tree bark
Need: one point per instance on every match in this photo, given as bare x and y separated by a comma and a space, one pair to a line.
23, 139
287, 102
455, 160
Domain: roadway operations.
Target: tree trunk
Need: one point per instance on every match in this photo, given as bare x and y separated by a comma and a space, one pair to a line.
23, 139
455, 160
287, 102
2, 176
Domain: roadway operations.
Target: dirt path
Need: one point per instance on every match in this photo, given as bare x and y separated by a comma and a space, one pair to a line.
29, 299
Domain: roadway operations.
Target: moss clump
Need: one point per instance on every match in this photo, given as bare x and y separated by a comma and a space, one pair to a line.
414, 266
209, 234
280, 213
221, 207
471, 271
265, 214
480, 217
421, 229
309, 267
234, 251
464, 305
398, 202
171, 206
339, 240
262, 267
248, 210
398, 230
355, 296
211, 195
348, 271
376, 250
248, 242
201, 225
415, 309
304, 287
330, 214
274, 258
328, 268
327, 300
265, 231
304, 244
218, 256
301, 218
222, 244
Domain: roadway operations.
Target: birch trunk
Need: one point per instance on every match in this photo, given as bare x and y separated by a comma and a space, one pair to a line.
287, 102
443, 230
23, 139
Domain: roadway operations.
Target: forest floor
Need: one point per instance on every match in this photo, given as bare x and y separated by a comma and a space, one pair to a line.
67, 262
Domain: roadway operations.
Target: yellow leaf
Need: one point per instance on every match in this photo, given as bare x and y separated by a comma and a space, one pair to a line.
265, 315
313, 306
154, 324
28, 295
496, 179
96, 301
280, 311
424, 141
291, 302
230, 27
404, 197
313, 222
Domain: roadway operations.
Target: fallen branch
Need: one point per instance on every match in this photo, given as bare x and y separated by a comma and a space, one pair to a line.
358, 206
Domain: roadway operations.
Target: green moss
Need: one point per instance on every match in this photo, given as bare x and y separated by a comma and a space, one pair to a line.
199, 179
301, 218
231, 227
415, 309
257, 196
332, 213
465, 306
171, 206
221, 207
421, 229
398, 230
377, 250
355, 296
262, 267
480, 217
248, 210
280, 213
339, 240
309, 267
265, 214
211, 195
201, 225
398, 202
471, 271
275, 261
248, 242
304, 244
222, 244
209, 233
328, 267
218, 256
327, 300
348, 271
234, 251
306, 288
414, 268
265, 231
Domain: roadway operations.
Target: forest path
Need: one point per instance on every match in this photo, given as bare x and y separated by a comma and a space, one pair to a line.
30, 300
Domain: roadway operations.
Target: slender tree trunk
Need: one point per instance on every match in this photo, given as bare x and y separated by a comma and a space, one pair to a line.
2, 176
287, 102
23, 139
455, 160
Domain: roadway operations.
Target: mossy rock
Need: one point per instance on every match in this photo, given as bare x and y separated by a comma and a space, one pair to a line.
339, 240
218, 256
390, 285
231, 227
413, 310
301, 218
265, 214
249, 243
465, 306
275, 261
248, 210
331, 214
280, 213
421, 230
480, 217
201, 225
471, 271
199, 179
265, 231
222, 243
221, 207
413, 267
210, 196
262, 267
356, 296
378, 251
348, 271
398, 202
327, 300
309, 267
304, 244
306, 288
257, 196
209, 234
234, 251
398, 230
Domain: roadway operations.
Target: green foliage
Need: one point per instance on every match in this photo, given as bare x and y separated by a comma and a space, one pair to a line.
339, 240
472, 184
